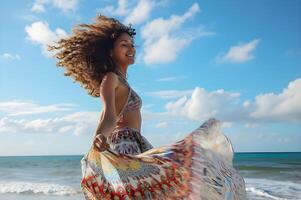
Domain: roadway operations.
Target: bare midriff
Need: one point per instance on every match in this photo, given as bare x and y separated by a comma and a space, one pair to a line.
131, 119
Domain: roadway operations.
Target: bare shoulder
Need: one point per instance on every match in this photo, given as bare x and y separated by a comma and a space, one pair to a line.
111, 76
110, 79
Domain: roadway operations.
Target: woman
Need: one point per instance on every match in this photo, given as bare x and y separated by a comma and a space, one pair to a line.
121, 163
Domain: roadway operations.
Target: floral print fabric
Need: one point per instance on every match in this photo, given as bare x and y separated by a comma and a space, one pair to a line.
197, 167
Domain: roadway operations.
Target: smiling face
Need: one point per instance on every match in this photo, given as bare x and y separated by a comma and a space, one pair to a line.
123, 52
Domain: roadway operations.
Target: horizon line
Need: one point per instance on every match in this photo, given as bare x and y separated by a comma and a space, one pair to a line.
84, 154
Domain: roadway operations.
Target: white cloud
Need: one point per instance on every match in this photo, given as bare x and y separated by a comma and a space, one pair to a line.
64, 5
203, 104
38, 6
162, 39
164, 50
10, 56
284, 106
18, 108
160, 27
78, 123
135, 12
140, 13
40, 33
161, 125
121, 9
168, 94
228, 107
171, 78
239, 53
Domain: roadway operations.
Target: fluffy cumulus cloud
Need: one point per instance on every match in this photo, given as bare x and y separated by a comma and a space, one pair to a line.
203, 104
242, 52
64, 5
228, 106
283, 106
163, 39
40, 33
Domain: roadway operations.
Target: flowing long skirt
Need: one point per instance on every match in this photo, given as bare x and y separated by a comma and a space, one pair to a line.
196, 167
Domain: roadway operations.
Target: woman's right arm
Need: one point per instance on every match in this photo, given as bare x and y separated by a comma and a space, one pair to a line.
107, 93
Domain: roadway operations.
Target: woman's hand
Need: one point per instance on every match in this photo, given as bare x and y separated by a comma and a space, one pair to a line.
100, 143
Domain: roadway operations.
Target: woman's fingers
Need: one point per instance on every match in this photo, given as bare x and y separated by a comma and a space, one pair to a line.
100, 143
96, 145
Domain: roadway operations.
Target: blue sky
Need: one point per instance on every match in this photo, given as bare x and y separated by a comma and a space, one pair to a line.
237, 62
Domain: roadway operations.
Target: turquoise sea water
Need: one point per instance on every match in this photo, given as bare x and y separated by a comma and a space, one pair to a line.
267, 176
271, 175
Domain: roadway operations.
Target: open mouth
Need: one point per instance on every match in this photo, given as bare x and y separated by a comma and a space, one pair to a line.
131, 56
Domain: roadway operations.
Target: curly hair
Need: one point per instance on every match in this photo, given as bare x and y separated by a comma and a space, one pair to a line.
85, 54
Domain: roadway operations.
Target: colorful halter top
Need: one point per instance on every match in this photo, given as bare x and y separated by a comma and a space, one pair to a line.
133, 102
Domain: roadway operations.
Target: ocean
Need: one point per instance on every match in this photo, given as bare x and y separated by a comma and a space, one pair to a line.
275, 176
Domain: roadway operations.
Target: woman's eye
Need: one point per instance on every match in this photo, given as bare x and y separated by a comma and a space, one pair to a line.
128, 45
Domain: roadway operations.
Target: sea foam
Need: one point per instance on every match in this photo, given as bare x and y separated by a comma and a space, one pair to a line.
272, 189
19, 187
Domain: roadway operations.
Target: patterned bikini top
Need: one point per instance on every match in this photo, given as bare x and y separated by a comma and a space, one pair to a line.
133, 102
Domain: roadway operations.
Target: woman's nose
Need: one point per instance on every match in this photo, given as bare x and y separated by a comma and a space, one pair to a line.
132, 49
